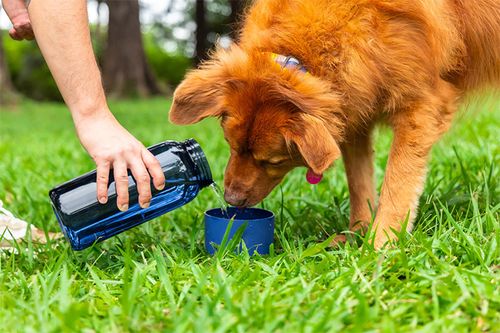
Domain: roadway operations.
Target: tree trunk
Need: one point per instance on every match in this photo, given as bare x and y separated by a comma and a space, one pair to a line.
7, 92
237, 7
201, 31
125, 69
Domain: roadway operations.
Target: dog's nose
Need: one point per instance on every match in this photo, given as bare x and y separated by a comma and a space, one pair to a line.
234, 198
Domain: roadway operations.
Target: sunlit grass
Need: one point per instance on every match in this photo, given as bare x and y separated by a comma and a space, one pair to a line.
444, 277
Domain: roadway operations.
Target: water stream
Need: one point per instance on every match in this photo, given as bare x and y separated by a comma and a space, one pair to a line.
220, 197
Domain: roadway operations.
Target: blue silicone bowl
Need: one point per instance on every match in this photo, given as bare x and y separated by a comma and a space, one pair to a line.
258, 234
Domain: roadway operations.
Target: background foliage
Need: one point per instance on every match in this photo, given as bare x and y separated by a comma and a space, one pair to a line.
168, 52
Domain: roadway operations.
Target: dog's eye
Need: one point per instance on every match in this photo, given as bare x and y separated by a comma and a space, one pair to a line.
223, 117
276, 163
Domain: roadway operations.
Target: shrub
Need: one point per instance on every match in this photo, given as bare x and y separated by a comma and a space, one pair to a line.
30, 74
168, 68
32, 78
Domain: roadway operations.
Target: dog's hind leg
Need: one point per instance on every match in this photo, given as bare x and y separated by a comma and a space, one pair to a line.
416, 128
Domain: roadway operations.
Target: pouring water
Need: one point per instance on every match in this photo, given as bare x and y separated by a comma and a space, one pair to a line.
220, 197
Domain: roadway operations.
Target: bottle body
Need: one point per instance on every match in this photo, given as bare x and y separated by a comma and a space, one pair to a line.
85, 221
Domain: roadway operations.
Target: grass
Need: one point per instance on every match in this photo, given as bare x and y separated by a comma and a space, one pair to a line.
157, 277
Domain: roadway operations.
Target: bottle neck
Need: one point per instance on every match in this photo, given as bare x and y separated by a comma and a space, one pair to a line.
200, 162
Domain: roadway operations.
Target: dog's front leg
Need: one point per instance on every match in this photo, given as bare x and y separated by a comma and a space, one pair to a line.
415, 131
357, 153
403, 181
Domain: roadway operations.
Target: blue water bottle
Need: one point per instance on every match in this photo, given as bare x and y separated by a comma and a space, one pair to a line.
85, 221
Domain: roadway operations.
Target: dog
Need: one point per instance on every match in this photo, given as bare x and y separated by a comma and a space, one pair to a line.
309, 79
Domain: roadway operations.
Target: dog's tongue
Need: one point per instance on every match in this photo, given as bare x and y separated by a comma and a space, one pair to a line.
313, 178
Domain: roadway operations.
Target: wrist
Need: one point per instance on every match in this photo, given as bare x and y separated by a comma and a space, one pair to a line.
89, 109
84, 100
88, 116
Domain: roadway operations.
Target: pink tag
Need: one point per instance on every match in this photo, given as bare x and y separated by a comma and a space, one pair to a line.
313, 178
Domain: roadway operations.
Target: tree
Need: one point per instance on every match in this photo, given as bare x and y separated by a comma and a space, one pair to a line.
125, 69
215, 21
7, 93
237, 7
209, 21
201, 31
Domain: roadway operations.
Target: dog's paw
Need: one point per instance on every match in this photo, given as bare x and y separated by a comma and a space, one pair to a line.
383, 241
379, 242
338, 240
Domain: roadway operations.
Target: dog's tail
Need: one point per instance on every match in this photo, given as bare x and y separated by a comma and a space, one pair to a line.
480, 21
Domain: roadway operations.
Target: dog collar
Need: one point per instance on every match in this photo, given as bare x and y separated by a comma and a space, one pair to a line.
288, 62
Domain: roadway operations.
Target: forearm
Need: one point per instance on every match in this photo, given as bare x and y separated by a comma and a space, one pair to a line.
13, 8
62, 32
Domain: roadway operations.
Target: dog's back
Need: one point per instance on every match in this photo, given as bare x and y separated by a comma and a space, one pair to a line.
461, 38
480, 27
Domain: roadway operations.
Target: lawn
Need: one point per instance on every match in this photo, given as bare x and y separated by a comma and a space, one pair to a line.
157, 277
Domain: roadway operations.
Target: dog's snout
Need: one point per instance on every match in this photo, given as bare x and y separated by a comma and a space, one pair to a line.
235, 198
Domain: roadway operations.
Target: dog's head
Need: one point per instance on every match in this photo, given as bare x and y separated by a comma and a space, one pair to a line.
274, 119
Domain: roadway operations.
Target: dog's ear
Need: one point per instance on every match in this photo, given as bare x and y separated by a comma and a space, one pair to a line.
198, 96
316, 121
314, 142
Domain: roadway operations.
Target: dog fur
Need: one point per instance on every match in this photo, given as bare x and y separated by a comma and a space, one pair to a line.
408, 63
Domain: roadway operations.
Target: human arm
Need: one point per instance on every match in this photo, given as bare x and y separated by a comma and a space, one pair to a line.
18, 14
62, 32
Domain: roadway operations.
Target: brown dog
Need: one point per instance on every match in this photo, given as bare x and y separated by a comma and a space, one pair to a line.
405, 62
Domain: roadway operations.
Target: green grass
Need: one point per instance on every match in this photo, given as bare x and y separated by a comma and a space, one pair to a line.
157, 277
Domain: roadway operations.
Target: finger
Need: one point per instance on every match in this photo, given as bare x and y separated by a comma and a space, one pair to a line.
154, 169
121, 182
14, 35
102, 181
25, 31
142, 180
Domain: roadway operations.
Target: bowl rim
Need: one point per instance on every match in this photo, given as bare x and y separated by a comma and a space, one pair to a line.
269, 214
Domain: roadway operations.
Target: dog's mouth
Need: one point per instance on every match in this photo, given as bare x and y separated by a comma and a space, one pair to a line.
239, 204
242, 203
235, 200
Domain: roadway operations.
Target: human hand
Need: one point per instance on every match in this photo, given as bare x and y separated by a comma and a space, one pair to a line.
111, 146
18, 15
